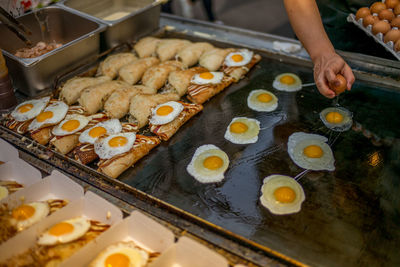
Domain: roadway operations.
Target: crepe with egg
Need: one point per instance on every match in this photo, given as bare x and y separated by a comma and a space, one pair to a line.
51, 248
146, 47
190, 54
167, 130
237, 64
213, 59
92, 98
16, 220
133, 72
141, 105
111, 65
156, 76
205, 85
116, 165
179, 80
168, 48
72, 89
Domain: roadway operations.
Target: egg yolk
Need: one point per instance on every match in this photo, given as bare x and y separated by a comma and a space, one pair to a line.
213, 163
313, 151
70, 125
117, 260
238, 127
23, 212
44, 116
206, 75
118, 141
97, 131
25, 108
237, 57
61, 228
164, 110
265, 98
284, 194
334, 117
288, 80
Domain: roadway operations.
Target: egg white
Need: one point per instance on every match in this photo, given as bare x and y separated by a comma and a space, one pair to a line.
202, 174
156, 119
81, 226
112, 126
3, 192
59, 110
268, 200
59, 131
105, 151
296, 86
218, 76
137, 257
42, 209
338, 127
296, 144
246, 54
248, 137
38, 106
255, 104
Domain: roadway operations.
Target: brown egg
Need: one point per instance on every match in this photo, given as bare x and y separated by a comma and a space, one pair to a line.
339, 85
380, 26
369, 20
391, 3
377, 7
362, 13
395, 22
396, 46
396, 9
392, 35
386, 14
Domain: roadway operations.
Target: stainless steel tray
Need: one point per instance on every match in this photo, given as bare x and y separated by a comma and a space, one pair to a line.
80, 38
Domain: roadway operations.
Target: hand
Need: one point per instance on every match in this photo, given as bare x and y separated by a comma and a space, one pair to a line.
326, 66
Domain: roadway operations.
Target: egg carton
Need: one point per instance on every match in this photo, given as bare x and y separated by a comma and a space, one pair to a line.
378, 37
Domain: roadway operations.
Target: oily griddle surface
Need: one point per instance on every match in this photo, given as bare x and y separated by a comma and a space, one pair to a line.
350, 216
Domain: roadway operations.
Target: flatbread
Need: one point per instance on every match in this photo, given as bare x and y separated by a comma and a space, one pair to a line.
213, 59
156, 76
133, 72
190, 54
111, 65
180, 80
117, 105
146, 47
200, 93
168, 48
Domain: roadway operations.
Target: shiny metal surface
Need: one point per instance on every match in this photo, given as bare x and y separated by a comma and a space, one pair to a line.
143, 18
79, 36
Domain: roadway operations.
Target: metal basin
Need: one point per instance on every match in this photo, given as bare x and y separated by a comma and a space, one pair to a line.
141, 17
79, 36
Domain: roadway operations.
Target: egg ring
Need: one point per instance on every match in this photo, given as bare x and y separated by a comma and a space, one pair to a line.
208, 164
262, 100
337, 119
243, 130
310, 151
281, 194
287, 82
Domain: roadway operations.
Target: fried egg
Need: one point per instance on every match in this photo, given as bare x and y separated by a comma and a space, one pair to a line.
29, 109
242, 130
208, 164
51, 115
281, 194
112, 126
29, 214
238, 58
310, 151
262, 100
337, 119
288, 82
121, 254
70, 125
213, 77
64, 232
114, 144
3, 192
164, 113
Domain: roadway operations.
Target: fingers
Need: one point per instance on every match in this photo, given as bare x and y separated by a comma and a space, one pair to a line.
349, 76
322, 85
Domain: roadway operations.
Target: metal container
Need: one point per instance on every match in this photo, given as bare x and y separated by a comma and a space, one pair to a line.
80, 38
141, 17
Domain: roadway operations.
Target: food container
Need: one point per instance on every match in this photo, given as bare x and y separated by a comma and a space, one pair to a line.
7, 151
141, 17
20, 172
80, 38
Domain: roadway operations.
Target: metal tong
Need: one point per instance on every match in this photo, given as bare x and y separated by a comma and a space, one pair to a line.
15, 26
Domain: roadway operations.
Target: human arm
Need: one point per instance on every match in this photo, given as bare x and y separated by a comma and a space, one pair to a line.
306, 22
